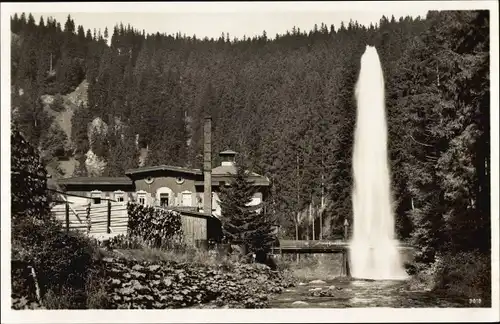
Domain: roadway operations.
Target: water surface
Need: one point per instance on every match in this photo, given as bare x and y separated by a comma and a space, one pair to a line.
342, 293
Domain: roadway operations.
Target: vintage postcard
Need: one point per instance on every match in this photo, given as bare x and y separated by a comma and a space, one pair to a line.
250, 162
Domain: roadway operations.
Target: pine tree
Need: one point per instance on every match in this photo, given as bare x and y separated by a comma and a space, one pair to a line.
55, 141
28, 179
58, 103
242, 224
274, 100
79, 132
122, 153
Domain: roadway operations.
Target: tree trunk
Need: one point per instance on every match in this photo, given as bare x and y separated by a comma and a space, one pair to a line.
297, 232
312, 217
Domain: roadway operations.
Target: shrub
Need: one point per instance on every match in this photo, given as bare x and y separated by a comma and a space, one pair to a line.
156, 227
465, 274
62, 261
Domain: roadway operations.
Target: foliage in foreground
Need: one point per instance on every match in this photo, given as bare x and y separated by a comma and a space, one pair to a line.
63, 262
169, 284
466, 274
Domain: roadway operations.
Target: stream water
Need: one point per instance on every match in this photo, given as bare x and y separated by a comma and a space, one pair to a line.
342, 293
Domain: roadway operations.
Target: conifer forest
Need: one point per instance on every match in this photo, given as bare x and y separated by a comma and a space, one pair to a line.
286, 104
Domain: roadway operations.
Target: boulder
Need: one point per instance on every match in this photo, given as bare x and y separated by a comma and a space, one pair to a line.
317, 282
300, 303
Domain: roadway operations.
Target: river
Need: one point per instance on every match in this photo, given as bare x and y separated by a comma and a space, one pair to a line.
342, 293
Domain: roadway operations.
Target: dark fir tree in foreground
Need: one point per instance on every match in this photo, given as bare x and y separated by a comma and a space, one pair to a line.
243, 224
63, 261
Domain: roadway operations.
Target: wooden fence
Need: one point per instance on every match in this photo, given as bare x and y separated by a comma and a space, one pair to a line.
194, 226
102, 220
194, 230
109, 219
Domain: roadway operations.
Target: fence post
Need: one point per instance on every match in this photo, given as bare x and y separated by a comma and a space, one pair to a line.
109, 216
37, 286
67, 216
345, 255
89, 221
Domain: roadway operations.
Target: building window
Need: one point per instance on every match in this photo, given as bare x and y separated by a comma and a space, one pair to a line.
164, 198
96, 197
214, 202
141, 197
119, 196
187, 198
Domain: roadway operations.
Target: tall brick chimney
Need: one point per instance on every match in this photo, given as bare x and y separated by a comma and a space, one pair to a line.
207, 165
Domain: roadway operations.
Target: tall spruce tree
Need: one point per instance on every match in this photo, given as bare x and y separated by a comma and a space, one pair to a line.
242, 224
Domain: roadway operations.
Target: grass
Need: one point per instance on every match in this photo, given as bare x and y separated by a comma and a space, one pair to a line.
181, 256
97, 296
310, 267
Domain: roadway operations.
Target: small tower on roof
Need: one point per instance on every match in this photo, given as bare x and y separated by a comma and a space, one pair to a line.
228, 157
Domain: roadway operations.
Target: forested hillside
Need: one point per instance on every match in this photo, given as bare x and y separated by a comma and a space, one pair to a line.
286, 104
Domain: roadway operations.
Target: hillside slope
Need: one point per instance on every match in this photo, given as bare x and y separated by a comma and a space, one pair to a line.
72, 102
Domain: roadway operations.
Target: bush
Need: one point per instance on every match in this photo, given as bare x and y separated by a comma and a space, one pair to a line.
156, 227
62, 261
465, 274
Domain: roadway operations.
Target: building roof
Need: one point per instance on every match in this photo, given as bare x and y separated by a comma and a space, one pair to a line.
220, 173
163, 168
228, 152
229, 170
95, 181
256, 181
191, 213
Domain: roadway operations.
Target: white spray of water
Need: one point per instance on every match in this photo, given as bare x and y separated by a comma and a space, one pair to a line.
373, 250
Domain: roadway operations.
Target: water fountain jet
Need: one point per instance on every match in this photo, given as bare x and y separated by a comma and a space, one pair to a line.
373, 249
